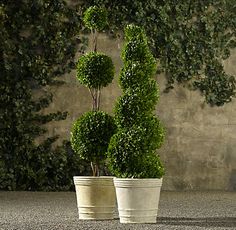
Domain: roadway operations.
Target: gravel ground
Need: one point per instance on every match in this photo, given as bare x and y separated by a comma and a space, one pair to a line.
58, 211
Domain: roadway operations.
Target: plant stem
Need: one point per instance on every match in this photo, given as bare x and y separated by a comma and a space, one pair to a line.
98, 98
93, 169
93, 93
97, 168
95, 39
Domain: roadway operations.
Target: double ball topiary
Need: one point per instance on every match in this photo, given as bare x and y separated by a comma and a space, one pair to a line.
95, 70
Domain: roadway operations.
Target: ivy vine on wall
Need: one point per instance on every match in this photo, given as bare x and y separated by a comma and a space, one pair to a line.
190, 39
39, 39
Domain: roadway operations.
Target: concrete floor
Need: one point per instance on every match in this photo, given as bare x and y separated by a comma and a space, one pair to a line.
58, 211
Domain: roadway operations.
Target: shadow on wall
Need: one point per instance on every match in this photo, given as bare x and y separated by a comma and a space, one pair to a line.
232, 180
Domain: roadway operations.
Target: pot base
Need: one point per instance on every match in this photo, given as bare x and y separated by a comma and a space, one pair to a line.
138, 216
96, 213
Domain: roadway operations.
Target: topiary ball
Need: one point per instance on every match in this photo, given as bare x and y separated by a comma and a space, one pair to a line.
95, 18
95, 70
91, 135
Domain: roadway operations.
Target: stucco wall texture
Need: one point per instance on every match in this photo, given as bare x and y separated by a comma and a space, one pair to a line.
200, 148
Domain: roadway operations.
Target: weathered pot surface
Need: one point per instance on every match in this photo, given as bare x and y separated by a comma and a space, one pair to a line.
138, 199
95, 197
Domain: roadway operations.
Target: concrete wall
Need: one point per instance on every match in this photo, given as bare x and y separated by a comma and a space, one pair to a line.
200, 148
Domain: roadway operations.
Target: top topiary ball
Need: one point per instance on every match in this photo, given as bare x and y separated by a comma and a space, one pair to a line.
95, 18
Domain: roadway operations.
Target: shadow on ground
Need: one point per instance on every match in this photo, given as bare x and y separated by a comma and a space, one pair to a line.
229, 222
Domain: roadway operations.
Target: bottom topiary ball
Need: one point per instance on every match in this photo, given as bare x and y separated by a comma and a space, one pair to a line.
91, 134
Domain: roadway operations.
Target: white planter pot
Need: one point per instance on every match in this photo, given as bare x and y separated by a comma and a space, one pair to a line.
137, 199
95, 197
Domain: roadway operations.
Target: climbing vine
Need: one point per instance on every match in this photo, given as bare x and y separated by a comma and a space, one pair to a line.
189, 38
39, 39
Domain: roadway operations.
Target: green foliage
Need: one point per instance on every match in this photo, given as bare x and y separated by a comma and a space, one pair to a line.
132, 149
130, 153
156, 170
95, 70
95, 18
43, 169
136, 103
185, 36
133, 32
91, 134
154, 131
38, 42
218, 87
135, 48
132, 74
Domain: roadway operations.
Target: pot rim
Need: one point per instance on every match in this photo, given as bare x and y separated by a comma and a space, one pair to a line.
95, 181
137, 182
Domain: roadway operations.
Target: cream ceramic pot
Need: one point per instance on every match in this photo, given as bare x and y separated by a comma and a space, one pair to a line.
137, 199
95, 197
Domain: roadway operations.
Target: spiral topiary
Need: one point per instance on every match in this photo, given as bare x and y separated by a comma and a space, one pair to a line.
132, 150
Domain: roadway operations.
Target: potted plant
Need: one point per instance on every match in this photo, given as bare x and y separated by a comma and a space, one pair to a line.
132, 150
91, 132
